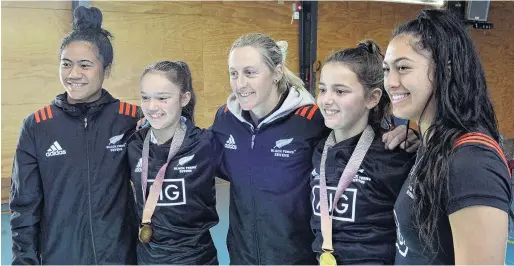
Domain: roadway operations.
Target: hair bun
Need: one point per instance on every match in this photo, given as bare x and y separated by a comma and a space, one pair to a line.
87, 18
370, 46
283, 45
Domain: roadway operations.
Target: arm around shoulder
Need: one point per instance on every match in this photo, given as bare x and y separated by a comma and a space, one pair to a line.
315, 124
218, 133
217, 160
218, 118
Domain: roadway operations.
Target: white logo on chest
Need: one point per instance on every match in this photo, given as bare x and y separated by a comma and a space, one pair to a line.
173, 192
55, 150
112, 146
345, 209
139, 166
360, 178
279, 152
181, 168
231, 143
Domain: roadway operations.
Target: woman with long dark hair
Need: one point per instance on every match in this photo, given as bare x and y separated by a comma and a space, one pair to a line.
453, 209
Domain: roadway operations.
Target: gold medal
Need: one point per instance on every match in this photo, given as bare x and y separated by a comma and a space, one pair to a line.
327, 259
145, 233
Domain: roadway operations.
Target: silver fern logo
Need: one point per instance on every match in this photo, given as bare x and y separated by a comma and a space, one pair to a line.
283, 142
113, 147
181, 168
185, 160
279, 152
115, 139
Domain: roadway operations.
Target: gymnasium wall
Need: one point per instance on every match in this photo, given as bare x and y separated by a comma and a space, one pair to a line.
496, 49
31, 34
201, 33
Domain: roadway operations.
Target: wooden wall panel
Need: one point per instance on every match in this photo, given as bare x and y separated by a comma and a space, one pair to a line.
30, 54
258, 10
223, 23
30, 60
150, 7
12, 118
57, 5
344, 24
496, 49
141, 39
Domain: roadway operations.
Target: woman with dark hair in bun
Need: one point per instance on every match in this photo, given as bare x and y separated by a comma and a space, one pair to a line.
355, 180
70, 180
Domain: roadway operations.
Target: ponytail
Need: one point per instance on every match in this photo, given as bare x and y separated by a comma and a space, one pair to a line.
366, 62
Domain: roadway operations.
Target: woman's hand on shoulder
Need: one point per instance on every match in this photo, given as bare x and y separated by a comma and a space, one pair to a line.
399, 136
141, 123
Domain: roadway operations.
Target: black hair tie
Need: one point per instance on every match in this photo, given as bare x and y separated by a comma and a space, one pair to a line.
366, 46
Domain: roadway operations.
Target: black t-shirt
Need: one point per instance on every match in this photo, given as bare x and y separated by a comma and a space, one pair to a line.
363, 229
186, 208
477, 176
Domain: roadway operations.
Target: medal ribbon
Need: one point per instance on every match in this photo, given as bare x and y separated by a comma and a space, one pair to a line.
346, 178
155, 189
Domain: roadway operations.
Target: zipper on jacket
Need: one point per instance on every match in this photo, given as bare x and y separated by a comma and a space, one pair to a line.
254, 133
89, 192
255, 234
254, 225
